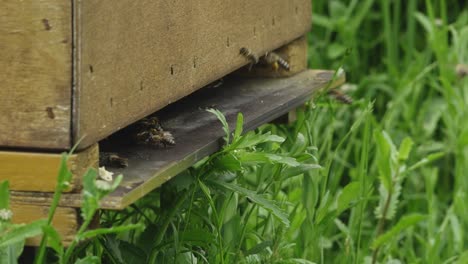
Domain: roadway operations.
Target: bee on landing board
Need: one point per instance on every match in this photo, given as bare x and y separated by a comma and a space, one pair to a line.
152, 133
248, 54
340, 96
276, 61
111, 159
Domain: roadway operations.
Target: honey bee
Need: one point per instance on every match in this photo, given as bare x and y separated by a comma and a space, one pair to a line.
247, 53
112, 159
276, 61
152, 133
149, 122
461, 70
340, 96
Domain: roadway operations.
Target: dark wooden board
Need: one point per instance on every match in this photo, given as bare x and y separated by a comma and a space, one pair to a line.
198, 132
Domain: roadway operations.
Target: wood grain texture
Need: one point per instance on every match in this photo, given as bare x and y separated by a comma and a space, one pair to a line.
65, 220
34, 171
35, 73
197, 132
135, 57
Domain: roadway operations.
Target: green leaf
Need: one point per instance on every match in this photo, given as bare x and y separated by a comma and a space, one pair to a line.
115, 184
205, 189
111, 230
53, 239
430, 158
336, 50
299, 145
239, 124
89, 260
405, 149
146, 239
110, 245
432, 112
223, 121
19, 233
322, 21
90, 195
324, 208
390, 210
4, 195
252, 140
424, 21
289, 172
228, 162
131, 253
262, 157
350, 193
300, 261
463, 259
199, 236
337, 9
283, 159
384, 158
254, 157
11, 253
259, 247
64, 175
404, 223
227, 176
258, 199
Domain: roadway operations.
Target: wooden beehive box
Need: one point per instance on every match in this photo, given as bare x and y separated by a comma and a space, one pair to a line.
85, 69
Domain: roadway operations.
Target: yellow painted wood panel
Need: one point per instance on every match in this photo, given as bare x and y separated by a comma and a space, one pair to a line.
135, 57
65, 220
37, 172
35, 73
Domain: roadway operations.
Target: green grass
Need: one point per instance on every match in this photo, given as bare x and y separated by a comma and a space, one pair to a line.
391, 186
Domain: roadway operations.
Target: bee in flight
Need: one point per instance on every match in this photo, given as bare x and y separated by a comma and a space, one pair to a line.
276, 61
461, 70
152, 133
340, 96
248, 54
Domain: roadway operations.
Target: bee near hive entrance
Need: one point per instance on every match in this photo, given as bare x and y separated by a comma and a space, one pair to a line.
150, 132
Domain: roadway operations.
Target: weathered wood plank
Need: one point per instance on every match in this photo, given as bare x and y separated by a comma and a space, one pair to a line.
134, 58
65, 220
198, 132
34, 171
35, 73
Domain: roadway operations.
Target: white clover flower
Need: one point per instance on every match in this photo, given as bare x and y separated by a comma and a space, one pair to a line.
5, 214
103, 185
105, 174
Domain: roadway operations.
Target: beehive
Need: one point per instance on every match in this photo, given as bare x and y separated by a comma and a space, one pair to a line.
84, 69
